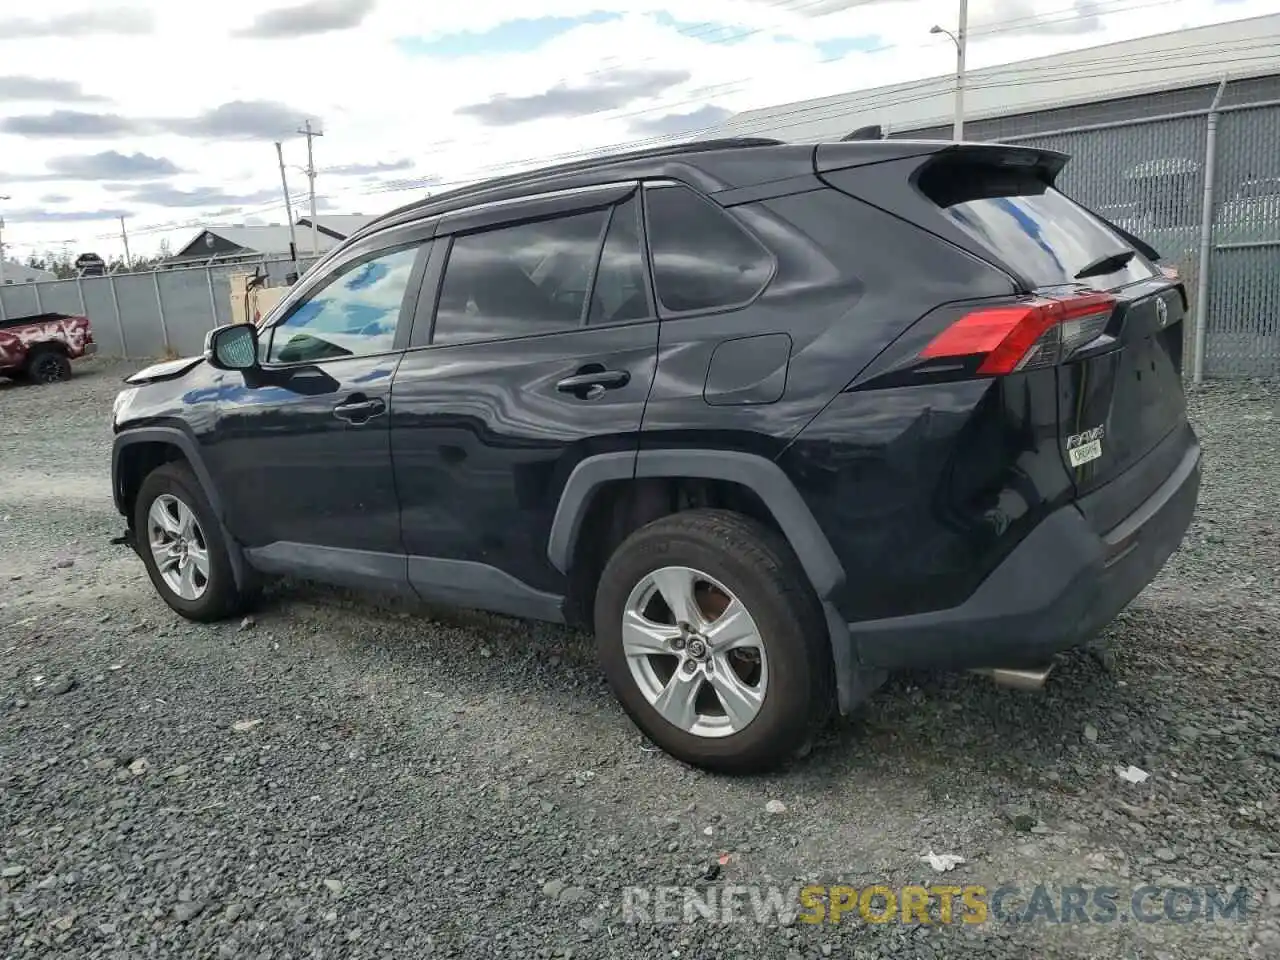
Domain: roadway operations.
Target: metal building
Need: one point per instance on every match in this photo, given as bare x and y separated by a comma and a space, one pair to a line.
1175, 137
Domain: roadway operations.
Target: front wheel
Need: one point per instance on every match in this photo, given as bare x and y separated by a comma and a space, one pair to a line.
714, 642
181, 544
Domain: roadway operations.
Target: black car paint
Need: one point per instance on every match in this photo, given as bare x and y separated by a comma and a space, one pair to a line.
165, 370
292, 471
483, 440
900, 499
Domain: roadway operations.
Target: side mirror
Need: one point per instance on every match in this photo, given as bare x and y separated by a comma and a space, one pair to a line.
234, 347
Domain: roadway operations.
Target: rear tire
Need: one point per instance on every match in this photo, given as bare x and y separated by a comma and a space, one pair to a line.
175, 525
782, 685
47, 365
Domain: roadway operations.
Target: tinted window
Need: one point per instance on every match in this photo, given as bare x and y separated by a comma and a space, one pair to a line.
353, 314
619, 293
516, 281
1035, 229
701, 257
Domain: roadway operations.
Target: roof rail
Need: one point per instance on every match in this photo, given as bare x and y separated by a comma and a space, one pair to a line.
534, 174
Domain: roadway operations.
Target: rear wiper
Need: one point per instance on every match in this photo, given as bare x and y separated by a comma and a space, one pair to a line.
1108, 264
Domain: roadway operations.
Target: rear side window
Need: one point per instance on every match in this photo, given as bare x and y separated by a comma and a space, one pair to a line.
520, 280
702, 259
1039, 232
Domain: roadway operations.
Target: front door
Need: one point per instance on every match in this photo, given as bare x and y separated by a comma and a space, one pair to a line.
302, 448
542, 353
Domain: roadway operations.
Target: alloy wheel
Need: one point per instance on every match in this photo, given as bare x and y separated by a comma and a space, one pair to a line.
695, 652
178, 546
47, 369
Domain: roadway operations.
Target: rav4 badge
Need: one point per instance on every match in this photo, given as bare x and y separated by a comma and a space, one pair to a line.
1083, 447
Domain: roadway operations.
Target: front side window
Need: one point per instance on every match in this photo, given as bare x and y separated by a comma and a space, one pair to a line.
702, 258
520, 280
354, 314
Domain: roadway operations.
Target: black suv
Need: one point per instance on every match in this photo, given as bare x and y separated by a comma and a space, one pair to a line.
773, 419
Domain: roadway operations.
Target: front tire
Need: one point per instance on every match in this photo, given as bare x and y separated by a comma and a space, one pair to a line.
714, 642
181, 544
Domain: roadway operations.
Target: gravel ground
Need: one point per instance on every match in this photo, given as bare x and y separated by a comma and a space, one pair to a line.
340, 777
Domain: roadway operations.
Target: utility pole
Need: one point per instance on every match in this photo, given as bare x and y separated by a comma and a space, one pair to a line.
961, 40
288, 207
310, 134
124, 235
2, 247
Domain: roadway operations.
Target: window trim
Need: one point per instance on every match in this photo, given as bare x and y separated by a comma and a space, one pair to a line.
496, 214
363, 250
651, 313
423, 324
590, 296
663, 313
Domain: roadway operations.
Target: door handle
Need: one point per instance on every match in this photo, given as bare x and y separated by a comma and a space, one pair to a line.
359, 409
590, 384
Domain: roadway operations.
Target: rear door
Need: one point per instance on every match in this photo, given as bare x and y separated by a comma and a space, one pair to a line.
542, 352
1119, 380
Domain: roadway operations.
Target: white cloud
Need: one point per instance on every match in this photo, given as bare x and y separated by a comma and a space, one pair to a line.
205, 86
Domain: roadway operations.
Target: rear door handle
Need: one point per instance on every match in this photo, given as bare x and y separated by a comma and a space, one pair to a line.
593, 383
359, 409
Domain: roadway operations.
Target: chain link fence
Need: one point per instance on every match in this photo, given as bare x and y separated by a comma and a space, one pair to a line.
145, 315
1196, 173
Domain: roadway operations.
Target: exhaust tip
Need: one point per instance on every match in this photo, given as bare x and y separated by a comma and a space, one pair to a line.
1018, 679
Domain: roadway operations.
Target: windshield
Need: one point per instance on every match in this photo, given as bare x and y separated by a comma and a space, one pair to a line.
1036, 230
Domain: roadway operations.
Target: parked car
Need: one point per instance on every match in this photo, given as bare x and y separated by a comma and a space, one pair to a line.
40, 347
772, 419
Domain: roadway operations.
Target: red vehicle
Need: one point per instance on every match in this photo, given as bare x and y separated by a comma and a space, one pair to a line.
40, 348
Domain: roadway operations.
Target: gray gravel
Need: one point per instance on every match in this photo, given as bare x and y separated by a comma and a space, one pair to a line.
339, 776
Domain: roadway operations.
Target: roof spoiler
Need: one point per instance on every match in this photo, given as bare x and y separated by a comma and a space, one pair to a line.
1045, 164
872, 132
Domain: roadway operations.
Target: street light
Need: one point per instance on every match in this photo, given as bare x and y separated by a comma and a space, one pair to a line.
960, 38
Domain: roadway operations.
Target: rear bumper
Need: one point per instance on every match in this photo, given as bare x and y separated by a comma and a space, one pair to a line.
89, 350
1059, 588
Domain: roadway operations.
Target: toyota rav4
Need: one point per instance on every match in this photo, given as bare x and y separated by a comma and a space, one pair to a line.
772, 419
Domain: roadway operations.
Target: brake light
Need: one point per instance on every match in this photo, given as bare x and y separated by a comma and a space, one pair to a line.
1021, 336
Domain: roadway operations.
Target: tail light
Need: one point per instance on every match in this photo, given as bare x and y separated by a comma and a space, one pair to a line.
1022, 336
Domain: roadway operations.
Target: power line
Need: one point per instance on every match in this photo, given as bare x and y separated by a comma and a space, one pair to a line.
705, 96
813, 114
802, 116
1010, 24
834, 108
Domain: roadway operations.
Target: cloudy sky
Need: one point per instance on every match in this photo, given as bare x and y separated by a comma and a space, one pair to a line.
166, 110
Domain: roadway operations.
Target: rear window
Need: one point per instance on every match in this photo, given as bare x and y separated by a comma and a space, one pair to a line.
1032, 227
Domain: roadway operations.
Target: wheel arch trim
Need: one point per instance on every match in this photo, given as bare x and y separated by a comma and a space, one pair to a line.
190, 450
171, 436
763, 477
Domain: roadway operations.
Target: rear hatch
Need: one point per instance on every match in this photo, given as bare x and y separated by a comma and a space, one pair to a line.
1108, 321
